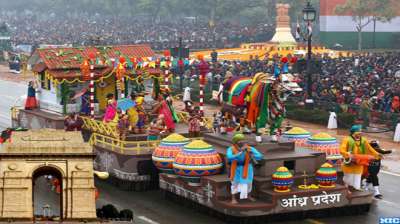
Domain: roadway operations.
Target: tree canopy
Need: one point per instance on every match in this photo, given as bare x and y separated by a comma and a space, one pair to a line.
366, 11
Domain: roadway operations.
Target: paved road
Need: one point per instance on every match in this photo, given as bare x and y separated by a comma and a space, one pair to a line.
152, 208
10, 92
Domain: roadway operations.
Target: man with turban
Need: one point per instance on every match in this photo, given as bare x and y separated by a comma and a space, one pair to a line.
241, 158
355, 149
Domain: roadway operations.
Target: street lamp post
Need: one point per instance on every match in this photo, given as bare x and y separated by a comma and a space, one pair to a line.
309, 15
180, 67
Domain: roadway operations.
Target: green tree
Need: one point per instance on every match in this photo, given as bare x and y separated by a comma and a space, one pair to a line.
384, 12
363, 13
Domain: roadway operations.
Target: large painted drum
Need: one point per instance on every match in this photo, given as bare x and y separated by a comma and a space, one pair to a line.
164, 155
197, 159
326, 176
297, 135
282, 179
323, 142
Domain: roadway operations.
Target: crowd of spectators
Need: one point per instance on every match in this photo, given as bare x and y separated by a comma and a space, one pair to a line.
80, 29
368, 82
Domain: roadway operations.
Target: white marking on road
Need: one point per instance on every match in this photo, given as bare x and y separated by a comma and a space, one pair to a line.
390, 173
391, 204
144, 218
12, 98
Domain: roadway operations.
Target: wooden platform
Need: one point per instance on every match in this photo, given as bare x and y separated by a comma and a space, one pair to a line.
222, 142
214, 192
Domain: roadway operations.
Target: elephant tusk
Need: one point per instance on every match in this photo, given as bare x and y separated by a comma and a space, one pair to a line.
101, 175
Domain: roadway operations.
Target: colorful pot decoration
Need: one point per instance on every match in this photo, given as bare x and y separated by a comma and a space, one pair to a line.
323, 142
282, 179
197, 159
164, 155
297, 135
326, 176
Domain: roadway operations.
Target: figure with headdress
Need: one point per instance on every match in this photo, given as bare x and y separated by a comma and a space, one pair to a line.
357, 153
242, 159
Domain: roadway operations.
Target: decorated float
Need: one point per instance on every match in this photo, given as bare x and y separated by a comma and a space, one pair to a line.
79, 79
288, 182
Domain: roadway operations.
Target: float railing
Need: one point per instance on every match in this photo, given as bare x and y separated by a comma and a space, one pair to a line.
125, 147
100, 127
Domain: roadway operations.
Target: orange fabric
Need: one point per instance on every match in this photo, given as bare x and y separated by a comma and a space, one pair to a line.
234, 164
253, 108
344, 151
96, 194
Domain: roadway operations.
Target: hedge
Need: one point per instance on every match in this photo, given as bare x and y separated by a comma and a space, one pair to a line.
318, 116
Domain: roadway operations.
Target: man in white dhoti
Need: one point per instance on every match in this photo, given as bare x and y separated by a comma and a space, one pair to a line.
240, 156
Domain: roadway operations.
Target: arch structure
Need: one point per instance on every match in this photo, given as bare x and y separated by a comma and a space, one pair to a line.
31, 152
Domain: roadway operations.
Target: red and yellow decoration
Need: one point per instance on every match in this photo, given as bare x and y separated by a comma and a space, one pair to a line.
85, 70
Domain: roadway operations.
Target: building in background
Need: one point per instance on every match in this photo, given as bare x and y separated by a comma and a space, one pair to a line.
341, 29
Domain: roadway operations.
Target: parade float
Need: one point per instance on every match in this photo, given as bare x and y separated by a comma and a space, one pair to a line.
79, 79
297, 184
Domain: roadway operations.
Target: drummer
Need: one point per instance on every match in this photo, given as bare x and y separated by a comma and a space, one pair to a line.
353, 145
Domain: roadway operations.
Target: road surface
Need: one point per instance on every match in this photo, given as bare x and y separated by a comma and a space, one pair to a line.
10, 94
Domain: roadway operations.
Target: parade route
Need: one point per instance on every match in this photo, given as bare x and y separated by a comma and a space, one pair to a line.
12, 87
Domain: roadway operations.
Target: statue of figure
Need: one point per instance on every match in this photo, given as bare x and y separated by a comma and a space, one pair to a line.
242, 158
352, 146
282, 18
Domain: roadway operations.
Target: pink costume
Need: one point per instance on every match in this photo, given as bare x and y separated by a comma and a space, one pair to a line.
111, 111
164, 110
